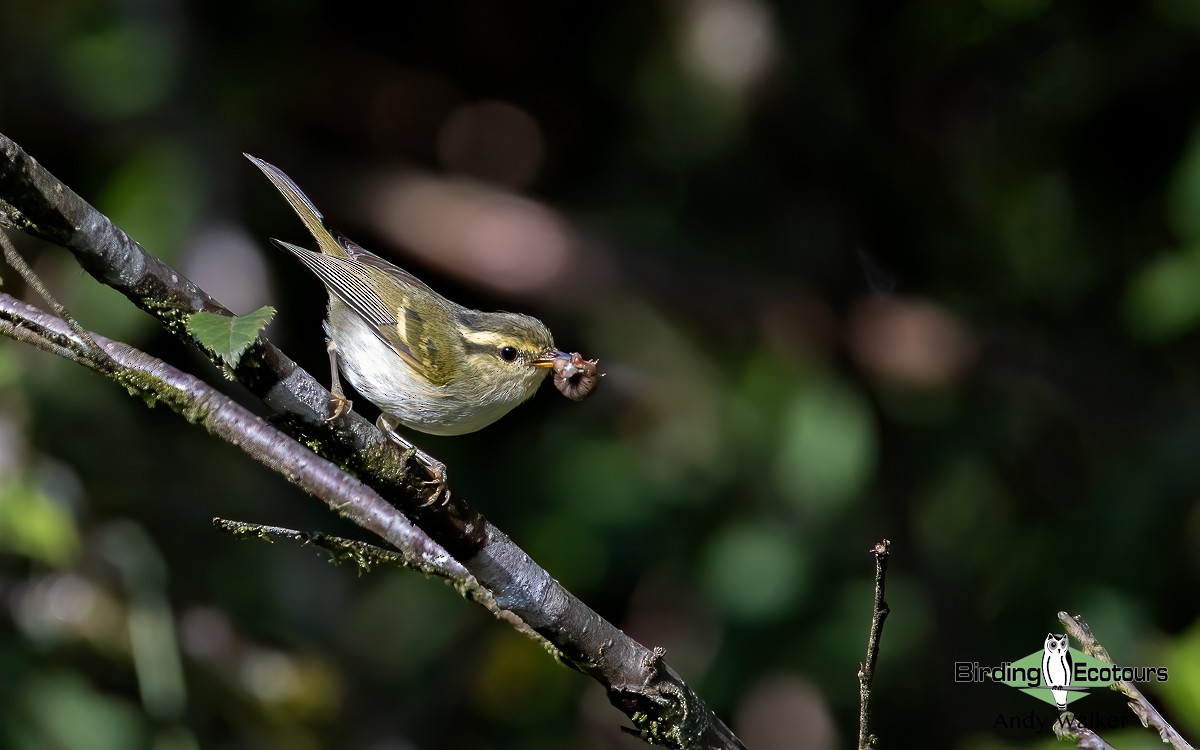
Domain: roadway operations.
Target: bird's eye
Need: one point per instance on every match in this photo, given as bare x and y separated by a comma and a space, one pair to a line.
508, 353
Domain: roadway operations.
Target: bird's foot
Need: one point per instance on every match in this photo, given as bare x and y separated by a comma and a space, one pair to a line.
338, 405
433, 467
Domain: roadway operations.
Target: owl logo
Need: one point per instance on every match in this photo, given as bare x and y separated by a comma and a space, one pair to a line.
1056, 667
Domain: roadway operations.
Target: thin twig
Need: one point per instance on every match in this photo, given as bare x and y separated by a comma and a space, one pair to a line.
63, 346
89, 347
366, 556
866, 670
1142, 708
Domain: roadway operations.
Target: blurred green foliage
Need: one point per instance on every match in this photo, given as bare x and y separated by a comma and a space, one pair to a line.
32, 524
925, 271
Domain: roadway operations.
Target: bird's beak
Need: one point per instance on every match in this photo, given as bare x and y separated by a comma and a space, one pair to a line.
548, 357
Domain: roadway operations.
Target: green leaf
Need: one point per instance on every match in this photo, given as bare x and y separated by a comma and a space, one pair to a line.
229, 336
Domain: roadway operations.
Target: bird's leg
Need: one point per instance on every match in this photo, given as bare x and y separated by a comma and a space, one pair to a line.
339, 402
435, 468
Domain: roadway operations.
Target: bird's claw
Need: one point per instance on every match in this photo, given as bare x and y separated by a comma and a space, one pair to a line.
435, 468
339, 405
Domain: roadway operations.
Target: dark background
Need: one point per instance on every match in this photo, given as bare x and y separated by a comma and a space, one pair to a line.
926, 271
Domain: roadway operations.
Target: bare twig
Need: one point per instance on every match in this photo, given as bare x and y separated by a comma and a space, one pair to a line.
1142, 708
88, 347
366, 556
663, 708
866, 670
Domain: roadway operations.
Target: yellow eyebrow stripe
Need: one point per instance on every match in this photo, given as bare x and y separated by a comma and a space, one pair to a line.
483, 338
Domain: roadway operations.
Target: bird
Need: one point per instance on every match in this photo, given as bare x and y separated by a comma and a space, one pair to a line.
426, 362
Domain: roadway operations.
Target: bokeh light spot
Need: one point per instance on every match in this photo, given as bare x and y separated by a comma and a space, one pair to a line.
755, 571
120, 70
498, 240
1161, 301
730, 42
912, 343
493, 141
827, 449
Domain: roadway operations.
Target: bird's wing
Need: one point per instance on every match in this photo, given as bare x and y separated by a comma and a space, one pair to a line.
397, 323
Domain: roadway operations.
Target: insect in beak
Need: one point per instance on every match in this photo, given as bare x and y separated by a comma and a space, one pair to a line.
549, 357
576, 377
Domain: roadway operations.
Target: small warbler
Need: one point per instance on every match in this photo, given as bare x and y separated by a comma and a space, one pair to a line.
428, 363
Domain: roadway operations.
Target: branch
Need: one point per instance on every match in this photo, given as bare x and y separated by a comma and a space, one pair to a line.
639, 682
866, 670
1067, 727
1142, 708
